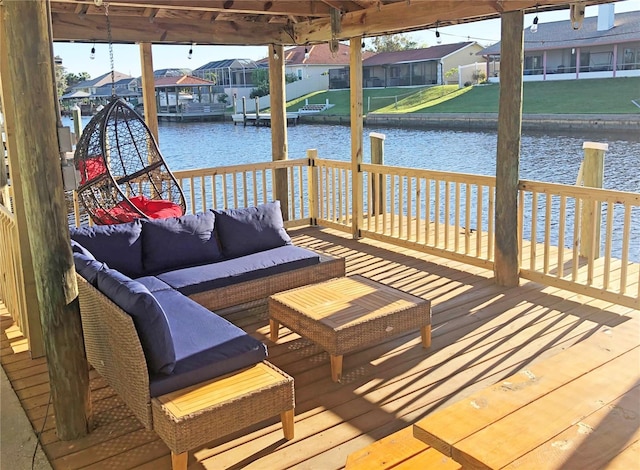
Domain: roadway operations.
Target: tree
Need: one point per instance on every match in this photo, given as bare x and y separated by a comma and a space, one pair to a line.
61, 81
73, 78
393, 43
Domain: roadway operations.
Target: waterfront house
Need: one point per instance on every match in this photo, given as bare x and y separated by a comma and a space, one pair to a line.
506, 301
187, 97
426, 66
98, 89
603, 46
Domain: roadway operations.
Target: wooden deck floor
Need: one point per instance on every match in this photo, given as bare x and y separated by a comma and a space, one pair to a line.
481, 334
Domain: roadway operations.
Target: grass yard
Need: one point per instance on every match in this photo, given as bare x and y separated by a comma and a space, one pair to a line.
588, 96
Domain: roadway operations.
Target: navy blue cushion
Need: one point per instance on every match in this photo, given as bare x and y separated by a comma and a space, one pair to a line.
120, 246
78, 248
246, 268
148, 317
176, 242
206, 344
87, 266
153, 283
252, 229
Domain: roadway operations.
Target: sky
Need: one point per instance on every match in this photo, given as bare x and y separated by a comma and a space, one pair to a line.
75, 56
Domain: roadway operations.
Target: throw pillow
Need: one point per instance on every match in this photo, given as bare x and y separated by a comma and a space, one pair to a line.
179, 242
120, 245
250, 230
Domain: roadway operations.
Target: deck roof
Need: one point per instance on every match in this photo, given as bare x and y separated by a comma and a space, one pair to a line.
482, 333
254, 22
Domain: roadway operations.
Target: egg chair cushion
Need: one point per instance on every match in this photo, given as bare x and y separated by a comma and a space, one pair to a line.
156, 208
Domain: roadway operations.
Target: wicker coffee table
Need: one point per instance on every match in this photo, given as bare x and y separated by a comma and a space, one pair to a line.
348, 313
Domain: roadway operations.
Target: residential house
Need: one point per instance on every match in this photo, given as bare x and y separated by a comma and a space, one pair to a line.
312, 61
176, 94
414, 67
228, 73
607, 45
97, 91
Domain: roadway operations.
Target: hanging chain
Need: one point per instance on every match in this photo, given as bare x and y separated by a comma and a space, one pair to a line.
109, 39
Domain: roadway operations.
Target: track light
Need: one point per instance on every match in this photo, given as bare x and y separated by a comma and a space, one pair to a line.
92, 55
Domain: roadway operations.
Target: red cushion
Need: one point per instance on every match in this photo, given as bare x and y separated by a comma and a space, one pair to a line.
91, 168
123, 212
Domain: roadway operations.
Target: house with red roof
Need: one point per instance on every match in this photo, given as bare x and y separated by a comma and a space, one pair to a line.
417, 67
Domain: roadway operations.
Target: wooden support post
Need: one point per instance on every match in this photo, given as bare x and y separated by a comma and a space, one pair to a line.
508, 155
312, 186
149, 89
593, 177
279, 150
37, 157
355, 82
377, 158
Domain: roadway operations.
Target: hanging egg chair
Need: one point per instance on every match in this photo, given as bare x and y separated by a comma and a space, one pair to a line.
123, 176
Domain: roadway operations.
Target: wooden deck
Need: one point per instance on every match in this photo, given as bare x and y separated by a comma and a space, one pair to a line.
481, 334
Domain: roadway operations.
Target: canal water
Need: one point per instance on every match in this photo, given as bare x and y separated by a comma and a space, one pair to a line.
548, 158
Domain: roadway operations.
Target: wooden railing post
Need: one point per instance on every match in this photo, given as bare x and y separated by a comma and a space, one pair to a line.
591, 214
312, 185
377, 158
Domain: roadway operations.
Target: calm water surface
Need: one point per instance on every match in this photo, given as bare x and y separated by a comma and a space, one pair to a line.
550, 158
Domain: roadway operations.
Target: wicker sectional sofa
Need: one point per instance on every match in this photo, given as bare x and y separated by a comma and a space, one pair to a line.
147, 290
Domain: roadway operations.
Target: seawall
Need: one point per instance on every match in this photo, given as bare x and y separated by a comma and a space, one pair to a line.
489, 121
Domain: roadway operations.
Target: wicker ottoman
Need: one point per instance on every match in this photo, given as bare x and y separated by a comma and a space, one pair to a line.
347, 313
193, 416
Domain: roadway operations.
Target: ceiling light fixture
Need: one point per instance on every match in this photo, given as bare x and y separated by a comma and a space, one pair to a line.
534, 26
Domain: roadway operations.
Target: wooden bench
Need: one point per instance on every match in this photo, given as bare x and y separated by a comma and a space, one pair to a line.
187, 418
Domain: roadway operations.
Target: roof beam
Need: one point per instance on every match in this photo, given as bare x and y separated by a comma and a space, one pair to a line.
70, 27
309, 8
413, 15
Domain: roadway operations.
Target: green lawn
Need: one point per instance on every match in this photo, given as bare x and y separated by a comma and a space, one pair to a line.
591, 96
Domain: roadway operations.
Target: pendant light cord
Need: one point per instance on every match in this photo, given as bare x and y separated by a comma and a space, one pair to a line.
110, 41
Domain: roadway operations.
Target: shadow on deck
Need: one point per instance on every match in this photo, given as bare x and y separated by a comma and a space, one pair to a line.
482, 333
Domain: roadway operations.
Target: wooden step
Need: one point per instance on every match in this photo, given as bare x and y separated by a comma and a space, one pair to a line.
400, 451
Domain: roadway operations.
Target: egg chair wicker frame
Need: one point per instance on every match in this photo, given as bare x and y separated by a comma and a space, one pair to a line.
118, 159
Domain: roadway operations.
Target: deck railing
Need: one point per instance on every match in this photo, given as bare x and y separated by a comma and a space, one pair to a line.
449, 215
11, 288
236, 186
585, 240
